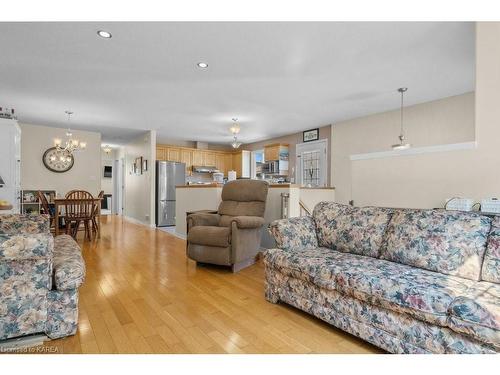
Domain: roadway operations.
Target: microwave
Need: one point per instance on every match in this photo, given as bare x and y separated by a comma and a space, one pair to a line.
275, 167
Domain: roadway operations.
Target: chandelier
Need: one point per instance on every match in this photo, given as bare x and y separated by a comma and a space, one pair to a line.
70, 145
107, 149
401, 145
235, 130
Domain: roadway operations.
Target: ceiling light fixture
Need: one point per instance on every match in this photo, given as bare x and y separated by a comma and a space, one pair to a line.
401, 145
235, 129
70, 144
202, 65
104, 34
107, 149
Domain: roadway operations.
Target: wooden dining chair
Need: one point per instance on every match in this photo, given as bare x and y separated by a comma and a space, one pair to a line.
79, 211
95, 214
46, 209
78, 194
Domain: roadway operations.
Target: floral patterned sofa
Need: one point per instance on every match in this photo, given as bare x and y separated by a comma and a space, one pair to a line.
39, 278
408, 281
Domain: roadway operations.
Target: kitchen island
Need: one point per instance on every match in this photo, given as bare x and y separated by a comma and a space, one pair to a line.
208, 197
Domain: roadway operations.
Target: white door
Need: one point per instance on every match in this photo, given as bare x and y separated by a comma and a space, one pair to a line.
118, 183
311, 163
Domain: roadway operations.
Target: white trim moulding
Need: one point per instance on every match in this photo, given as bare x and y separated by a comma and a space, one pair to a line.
415, 151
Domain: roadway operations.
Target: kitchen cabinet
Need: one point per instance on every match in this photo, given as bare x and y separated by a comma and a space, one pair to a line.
228, 162
161, 153
220, 163
187, 158
209, 158
241, 163
173, 154
276, 151
197, 157
222, 160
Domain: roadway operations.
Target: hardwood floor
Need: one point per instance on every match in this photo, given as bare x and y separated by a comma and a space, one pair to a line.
142, 295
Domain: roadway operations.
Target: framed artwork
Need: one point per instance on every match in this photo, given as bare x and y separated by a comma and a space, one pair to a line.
138, 165
310, 135
145, 165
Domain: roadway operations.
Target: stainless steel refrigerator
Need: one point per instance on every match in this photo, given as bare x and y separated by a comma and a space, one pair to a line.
169, 174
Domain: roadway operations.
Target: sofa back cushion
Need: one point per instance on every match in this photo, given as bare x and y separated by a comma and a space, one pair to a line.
449, 242
24, 223
357, 230
491, 263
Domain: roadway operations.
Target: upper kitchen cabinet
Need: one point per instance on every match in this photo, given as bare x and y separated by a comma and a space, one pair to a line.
173, 154
187, 158
220, 162
241, 163
209, 158
197, 157
276, 151
161, 153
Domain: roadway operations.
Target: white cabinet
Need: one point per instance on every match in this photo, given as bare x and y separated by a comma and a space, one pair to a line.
10, 162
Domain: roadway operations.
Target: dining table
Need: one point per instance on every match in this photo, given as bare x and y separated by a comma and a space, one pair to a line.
62, 202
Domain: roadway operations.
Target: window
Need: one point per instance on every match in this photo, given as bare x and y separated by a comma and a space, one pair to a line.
311, 163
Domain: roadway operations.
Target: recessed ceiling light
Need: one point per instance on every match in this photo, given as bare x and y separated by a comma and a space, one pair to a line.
202, 65
104, 34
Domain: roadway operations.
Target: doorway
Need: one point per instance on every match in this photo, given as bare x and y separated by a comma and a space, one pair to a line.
311, 163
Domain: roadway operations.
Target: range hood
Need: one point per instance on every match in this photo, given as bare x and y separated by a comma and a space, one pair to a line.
204, 169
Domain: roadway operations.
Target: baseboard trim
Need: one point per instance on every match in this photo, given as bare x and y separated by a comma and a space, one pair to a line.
138, 222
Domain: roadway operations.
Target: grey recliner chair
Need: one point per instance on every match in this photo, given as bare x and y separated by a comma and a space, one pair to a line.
231, 237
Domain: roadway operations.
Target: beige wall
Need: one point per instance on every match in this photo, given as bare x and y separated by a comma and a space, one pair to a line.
85, 174
140, 189
427, 180
293, 140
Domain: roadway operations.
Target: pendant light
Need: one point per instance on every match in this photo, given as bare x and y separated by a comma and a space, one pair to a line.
235, 129
401, 145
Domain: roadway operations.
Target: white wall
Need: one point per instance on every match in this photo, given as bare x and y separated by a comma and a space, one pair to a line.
139, 200
85, 174
107, 160
427, 180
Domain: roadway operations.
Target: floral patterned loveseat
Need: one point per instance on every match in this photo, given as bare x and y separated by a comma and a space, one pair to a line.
39, 278
408, 281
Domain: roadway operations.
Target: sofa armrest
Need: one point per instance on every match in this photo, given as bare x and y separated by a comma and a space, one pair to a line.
297, 233
69, 266
22, 246
248, 222
202, 219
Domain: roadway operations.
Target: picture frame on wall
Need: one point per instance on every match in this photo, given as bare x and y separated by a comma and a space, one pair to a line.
310, 135
138, 165
145, 165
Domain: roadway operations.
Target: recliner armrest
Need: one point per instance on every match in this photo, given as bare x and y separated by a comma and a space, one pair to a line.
296, 233
202, 219
248, 222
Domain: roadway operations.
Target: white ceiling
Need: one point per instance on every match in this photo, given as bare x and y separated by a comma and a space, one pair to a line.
277, 78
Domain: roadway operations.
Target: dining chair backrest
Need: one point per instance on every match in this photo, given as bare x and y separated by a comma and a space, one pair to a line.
96, 206
78, 194
79, 208
45, 204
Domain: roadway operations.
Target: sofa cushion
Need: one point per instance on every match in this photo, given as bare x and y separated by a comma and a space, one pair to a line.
351, 229
294, 233
477, 313
491, 264
210, 236
423, 294
448, 242
24, 223
69, 267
